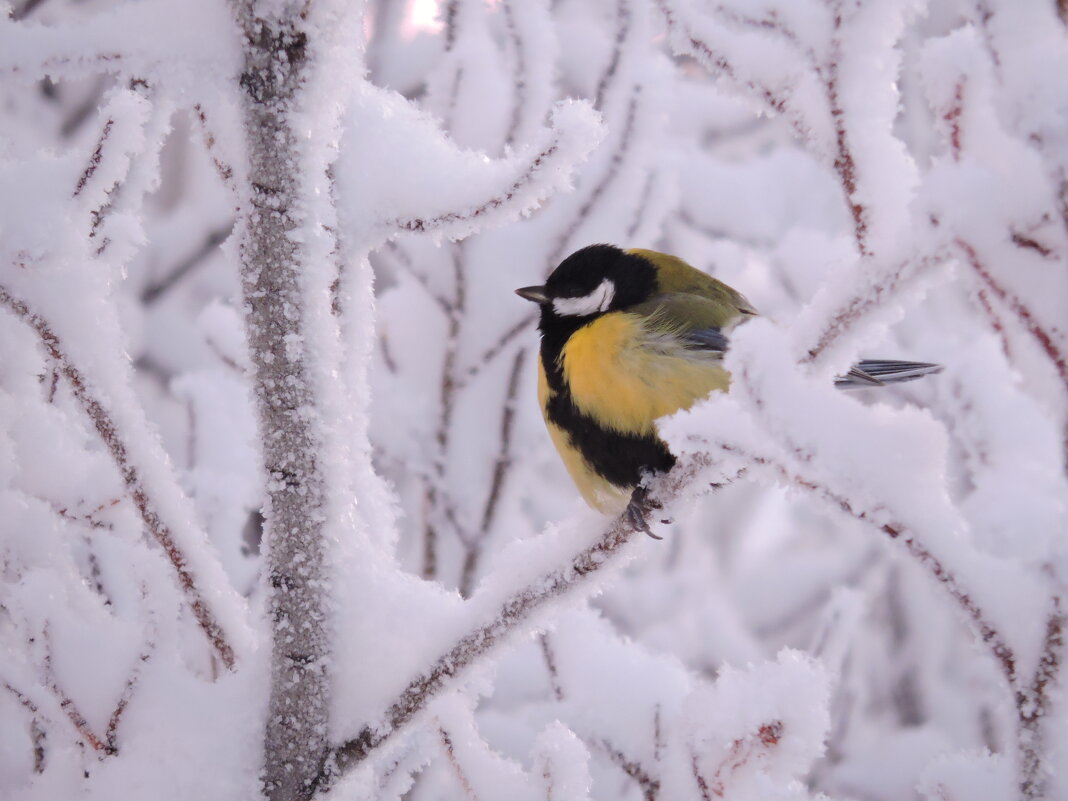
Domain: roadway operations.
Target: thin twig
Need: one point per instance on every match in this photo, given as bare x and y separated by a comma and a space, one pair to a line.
131, 476
25, 10
867, 299
222, 168
461, 774
1046, 341
988, 632
503, 341
623, 23
172, 277
649, 786
38, 738
718, 63
549, 656
435, 494
67, 704
845, 165
519, 81
527, 177
612, 169
38, 735
1033, 704
111, 734
95, 159
501, 467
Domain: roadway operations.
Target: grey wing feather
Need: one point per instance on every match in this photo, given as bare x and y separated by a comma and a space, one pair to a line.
879, 372
706, 339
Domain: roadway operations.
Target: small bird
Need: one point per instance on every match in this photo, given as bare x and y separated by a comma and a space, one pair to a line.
628, 336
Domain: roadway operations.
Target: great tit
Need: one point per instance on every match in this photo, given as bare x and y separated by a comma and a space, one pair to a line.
628, 336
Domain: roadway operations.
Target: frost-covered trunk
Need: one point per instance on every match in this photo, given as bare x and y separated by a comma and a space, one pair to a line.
273, 259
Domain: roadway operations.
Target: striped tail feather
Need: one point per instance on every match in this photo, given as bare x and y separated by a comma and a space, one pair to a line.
880, 372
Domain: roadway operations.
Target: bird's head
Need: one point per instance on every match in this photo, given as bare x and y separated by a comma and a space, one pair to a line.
592, 281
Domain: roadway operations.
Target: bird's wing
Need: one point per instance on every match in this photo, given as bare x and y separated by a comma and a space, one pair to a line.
624, 370
697, 323
674, 276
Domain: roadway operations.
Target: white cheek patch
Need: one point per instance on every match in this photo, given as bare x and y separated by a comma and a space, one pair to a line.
597, 301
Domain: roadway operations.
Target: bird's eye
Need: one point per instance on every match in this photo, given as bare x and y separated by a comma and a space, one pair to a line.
584, 305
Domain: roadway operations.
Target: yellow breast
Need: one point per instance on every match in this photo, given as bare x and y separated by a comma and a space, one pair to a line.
602, 495
625, 377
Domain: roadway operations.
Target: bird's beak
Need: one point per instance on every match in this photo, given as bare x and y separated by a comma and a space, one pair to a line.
534, 293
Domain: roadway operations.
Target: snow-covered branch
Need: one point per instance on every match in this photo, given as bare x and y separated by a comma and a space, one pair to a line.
382, 127
510, 613
132, 475
143, 38
774, 432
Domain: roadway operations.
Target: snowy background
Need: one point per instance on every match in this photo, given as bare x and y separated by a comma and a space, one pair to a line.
869, 605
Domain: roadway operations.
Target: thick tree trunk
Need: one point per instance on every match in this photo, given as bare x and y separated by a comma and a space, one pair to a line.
277, 316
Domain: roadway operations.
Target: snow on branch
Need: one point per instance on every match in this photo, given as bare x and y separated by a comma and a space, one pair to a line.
831, 69
184, 42
738, 56
1047, 341
1005, 225
499, 613
385, 134
559, 769
534, 51
884, 470
754, 727
122, 139
132, 475
848, 308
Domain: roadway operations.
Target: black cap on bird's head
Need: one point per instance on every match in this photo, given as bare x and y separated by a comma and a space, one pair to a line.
592, 281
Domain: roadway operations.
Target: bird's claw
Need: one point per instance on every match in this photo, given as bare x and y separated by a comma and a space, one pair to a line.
638, 509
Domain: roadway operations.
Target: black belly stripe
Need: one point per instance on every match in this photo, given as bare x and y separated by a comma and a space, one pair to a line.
618, 458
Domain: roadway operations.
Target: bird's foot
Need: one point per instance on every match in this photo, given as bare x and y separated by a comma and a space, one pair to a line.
638, 509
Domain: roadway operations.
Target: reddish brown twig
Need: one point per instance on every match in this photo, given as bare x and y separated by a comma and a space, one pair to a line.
845, 165
527, 177
1032, 699
867, 300
742, 751
95, 159
38, 735
717, 62
935, 567
108, 744
1046, 342
1033, 705
67, 704
222, 167
647, 783
461, 774
952, 116
111, 734
131, 475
